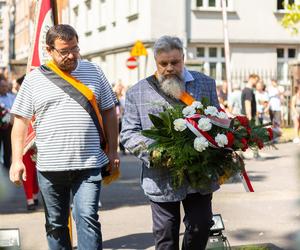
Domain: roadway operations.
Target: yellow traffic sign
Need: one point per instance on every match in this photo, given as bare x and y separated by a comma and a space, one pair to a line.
138, 49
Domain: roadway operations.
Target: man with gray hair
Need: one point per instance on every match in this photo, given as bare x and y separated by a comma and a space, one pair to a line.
164, 88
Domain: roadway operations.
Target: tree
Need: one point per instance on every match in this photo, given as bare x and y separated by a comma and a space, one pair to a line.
291, 19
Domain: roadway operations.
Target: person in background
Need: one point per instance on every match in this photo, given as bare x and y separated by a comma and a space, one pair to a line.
295, 111
119, 90
275, 96
223, 95
262, 102
17, 84
234, 100
249, 103
6, 101
165, 87
248, 98
69, 153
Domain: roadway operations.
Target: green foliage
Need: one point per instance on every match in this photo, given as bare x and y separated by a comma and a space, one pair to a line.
291, 18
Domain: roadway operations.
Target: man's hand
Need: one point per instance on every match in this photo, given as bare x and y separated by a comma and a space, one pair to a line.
114, 162
17, 172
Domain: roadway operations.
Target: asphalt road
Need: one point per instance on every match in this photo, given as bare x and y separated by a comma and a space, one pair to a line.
269, 215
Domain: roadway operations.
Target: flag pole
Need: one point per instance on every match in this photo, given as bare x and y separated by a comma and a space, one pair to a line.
57, 20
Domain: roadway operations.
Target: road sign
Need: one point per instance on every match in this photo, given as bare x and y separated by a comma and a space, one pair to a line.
138, 49
131, 63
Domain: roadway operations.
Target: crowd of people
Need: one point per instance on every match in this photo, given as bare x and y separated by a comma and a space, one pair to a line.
260, 103
77, 120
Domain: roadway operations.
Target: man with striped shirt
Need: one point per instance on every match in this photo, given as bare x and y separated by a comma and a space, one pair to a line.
69, 157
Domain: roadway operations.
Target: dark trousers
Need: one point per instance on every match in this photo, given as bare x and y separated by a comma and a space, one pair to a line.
197, 220
5, 140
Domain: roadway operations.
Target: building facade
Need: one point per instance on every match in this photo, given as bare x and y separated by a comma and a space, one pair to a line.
4, 38
258, 43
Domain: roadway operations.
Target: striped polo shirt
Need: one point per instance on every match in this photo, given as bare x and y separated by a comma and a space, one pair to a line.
66, 136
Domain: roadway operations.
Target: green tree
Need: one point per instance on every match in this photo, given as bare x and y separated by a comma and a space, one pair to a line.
291, 19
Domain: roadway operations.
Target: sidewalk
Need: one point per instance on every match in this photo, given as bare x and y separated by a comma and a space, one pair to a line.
269, 215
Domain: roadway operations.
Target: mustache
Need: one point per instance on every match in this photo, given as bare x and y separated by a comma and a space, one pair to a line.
175, 77
173, 86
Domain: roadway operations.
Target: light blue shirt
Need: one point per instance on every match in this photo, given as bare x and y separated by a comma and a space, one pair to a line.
7, 100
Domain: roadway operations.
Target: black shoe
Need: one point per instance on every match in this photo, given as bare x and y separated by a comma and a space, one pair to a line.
36, 202
31, 207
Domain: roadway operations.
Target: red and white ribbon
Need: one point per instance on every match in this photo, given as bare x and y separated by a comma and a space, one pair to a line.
246, 181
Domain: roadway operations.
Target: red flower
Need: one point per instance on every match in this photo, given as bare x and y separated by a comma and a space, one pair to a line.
270, 131
243, 121
260, 143
248, 130
230, 138
245, 144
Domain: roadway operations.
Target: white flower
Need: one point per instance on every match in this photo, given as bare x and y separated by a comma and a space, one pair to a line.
179, 124
189, 110
204, 124
200, 144
222, 115
211, 110
221, 139
197, 105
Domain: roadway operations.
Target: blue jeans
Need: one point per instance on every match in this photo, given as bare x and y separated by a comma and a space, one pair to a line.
85, 187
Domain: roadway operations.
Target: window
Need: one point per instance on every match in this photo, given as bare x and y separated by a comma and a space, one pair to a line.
213, 70
199, 3
200, 52
75, 11
291, 53
214, 62
88, 4
102, 15
211, 4
284, 55
280, 53
88, 17
281, 4
212, 52
132, 7
75, 16
223, 76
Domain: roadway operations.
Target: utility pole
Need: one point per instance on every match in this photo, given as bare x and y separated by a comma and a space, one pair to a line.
226, 47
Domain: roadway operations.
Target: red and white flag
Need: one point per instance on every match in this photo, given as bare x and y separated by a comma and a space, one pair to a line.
44, 19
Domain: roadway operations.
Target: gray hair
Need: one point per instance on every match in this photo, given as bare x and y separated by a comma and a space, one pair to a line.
166, 44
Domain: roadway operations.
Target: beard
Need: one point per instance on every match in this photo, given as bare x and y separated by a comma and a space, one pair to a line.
67, 64
172, 86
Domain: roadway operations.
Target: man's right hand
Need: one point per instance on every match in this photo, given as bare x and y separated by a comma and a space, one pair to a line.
17, 172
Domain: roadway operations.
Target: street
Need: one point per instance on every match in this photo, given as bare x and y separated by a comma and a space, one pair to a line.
269, 215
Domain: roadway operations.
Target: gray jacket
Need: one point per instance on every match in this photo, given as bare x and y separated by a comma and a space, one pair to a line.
141, 100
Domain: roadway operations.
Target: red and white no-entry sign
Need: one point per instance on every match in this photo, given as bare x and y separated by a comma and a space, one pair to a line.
131, 62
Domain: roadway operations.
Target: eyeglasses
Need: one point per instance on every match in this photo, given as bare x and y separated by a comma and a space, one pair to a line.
65, 52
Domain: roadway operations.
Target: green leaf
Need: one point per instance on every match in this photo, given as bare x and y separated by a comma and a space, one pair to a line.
205, 101
165, 116
157, 122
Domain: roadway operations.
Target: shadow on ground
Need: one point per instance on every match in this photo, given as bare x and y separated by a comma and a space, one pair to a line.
132, 241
